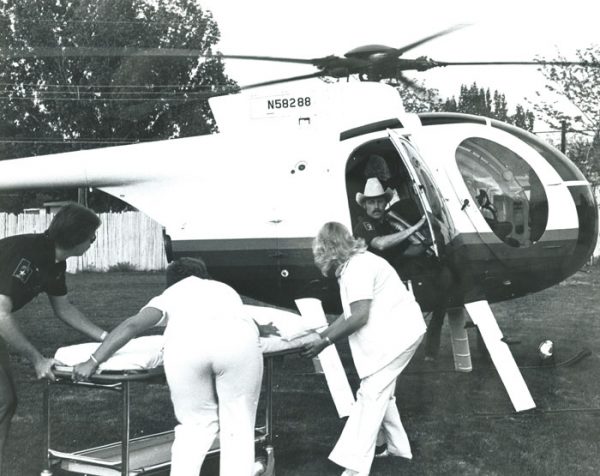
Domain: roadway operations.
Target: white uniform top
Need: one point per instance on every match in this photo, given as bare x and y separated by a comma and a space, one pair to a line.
395, 319
195, 303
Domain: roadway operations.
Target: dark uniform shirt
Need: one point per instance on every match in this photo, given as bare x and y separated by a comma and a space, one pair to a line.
367, 229
28, 267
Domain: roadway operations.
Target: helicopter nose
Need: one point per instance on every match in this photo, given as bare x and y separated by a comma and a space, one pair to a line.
587, 212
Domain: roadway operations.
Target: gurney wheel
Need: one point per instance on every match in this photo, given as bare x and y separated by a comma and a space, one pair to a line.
265, 465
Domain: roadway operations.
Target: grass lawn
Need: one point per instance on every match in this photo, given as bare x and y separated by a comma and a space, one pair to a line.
458, 423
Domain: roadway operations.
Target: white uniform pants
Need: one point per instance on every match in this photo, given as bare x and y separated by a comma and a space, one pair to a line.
214, 376
375, 409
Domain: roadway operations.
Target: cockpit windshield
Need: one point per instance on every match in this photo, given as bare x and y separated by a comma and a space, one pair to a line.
506, 190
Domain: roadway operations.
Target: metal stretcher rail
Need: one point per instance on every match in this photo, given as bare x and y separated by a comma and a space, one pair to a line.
151, 453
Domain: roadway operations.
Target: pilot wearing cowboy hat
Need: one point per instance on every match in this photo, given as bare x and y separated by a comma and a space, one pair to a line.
380, 236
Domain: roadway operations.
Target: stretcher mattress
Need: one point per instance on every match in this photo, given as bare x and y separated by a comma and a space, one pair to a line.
143, 353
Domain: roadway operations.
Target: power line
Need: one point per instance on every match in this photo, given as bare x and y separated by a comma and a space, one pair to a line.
105, 52
91, 22
108, 99
109, 86
77, 141
558, 131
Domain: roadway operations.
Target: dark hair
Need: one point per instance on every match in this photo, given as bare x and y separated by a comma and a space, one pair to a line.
185, 267
72, 225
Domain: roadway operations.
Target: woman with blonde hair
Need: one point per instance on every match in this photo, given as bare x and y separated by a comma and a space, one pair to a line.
384, 326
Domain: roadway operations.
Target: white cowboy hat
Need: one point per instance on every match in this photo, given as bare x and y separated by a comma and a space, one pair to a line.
373, 189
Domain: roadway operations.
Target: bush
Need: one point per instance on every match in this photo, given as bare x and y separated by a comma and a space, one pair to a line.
122, 267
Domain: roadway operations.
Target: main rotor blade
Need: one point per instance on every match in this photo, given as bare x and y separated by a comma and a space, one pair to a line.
404, 49
282, 80
517, 63
79, 51
50, 52
270, 58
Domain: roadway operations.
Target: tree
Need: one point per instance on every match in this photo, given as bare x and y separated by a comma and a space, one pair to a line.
580, 85
56, 104
583, 151
418, 98
482, 102
472, 100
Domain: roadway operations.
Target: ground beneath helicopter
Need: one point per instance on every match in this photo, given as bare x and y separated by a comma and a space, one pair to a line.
458, 423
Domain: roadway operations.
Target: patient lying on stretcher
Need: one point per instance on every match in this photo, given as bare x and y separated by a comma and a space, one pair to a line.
279, 330
213, 363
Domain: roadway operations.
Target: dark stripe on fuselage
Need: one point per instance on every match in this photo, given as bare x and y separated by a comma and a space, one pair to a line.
482, 267
440, 118
587, 212
496, 271
373, 127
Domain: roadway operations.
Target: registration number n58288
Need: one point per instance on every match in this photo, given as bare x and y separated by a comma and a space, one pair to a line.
285, 103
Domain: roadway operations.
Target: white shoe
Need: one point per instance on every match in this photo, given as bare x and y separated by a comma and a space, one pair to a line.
350, 472
387, 454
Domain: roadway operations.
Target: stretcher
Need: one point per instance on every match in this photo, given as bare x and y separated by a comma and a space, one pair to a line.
150, 454
147, 454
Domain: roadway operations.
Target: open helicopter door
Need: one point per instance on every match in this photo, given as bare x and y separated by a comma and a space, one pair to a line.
412, 162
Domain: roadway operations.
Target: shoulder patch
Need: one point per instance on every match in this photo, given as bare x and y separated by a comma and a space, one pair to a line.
23, 270
368, 226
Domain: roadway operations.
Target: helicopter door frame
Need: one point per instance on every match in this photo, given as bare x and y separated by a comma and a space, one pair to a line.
400, 143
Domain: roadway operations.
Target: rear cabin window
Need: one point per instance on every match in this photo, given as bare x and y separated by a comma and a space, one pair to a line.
506, 190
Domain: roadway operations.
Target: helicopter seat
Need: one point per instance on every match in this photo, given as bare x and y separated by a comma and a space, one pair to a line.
501, 228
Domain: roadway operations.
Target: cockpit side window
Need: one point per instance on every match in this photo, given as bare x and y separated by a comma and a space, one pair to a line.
506, 189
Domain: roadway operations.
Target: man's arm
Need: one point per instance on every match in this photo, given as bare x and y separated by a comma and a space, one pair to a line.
394, 239
10, 332
70, 315
118, 337
340, 328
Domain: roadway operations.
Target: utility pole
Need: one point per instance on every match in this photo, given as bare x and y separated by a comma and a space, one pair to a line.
563, 136
82, 196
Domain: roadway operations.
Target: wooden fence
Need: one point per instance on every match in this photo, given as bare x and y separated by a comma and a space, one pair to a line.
128, 239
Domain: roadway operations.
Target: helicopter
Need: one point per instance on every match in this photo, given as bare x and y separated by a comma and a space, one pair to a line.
506, 213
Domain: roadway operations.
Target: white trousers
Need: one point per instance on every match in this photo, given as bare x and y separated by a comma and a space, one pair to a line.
214, 376
375, 409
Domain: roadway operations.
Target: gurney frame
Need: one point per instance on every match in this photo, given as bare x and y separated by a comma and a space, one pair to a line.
148, 454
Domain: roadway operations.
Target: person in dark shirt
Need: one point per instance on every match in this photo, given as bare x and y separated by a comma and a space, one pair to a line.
382, 237
31, 264
398, 248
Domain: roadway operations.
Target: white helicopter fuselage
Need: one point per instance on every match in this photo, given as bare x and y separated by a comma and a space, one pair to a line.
251, 198
506, 213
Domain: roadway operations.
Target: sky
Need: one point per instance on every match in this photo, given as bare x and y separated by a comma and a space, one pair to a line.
511, 30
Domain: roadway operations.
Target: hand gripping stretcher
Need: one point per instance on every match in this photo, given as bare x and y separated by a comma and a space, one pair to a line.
150, 454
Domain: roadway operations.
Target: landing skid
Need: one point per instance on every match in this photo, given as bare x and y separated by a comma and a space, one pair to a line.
482, 316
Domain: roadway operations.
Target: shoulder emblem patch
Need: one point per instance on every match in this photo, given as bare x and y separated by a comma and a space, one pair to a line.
23, 271
368, 226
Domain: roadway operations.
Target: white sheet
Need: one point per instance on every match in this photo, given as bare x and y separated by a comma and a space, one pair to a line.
141, 353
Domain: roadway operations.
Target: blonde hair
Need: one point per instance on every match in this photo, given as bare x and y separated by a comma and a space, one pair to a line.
334, 245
